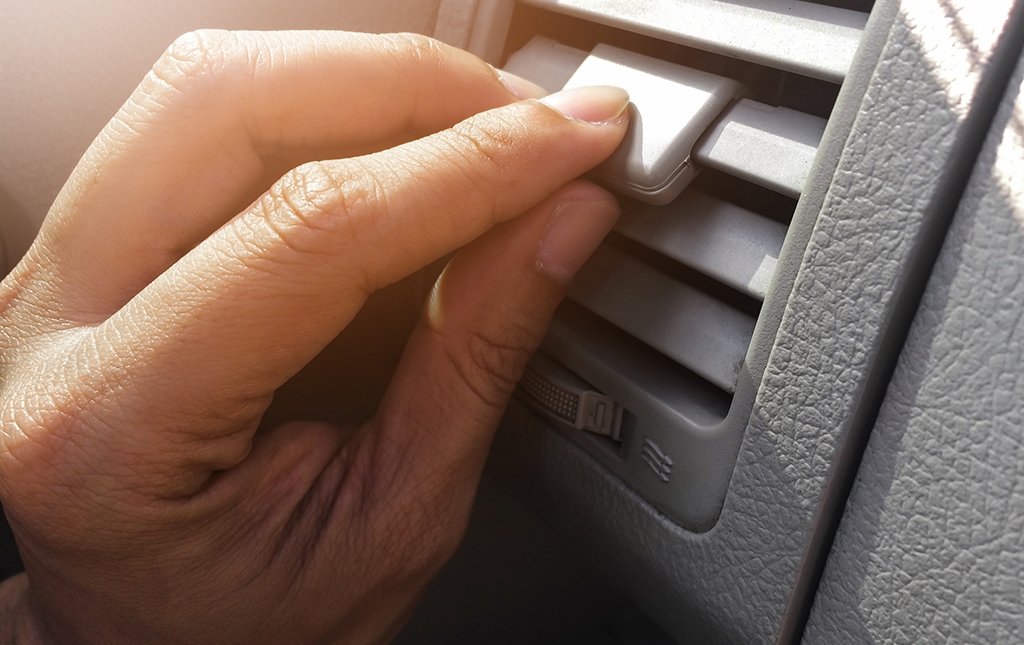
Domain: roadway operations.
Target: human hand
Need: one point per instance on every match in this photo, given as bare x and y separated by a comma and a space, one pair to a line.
147, 328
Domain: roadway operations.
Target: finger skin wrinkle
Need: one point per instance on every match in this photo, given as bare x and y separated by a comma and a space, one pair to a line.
24, 330
425, 507
261, 63
369, 220
379, 463
449, 150
487, 365
387, 471
416, 55
29, 421
135, 368
53, 453
197, 72
125, 126
502, 360
204, 78
469, 373
311, 517
26, 310
325, 210
39, 376
203, 62
432, 506
492, 136
420, 55
485, 152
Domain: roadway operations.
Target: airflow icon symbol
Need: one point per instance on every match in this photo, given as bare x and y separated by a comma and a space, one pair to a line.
656, 458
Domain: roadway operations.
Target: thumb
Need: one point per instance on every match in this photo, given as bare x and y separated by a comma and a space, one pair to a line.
487, 315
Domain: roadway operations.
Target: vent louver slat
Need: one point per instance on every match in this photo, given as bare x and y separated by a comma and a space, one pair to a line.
687, 325
768, 146
802, 37
724, 241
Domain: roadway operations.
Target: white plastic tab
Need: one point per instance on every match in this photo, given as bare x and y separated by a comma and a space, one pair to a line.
546, 62
670, 107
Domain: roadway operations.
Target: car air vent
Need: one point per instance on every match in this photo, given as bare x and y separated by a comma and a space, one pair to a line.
660, 321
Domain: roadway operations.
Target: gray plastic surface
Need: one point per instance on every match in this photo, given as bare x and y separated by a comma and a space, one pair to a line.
478, 26
802, 37
690, 327
670, 107
672, 413
545, 62
931, 545
769, 146
729, 243
743, 580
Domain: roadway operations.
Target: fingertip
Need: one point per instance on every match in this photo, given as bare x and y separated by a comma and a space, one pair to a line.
596, 104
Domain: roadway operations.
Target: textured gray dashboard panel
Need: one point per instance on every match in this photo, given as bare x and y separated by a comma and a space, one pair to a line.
931, 545
736, 582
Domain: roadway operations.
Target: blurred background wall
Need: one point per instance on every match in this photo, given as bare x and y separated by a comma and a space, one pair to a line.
67, 65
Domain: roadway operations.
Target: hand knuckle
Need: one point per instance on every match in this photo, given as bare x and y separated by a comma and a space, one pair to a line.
313, 201
203, 61
478, 153
310, 194
491, 363
418, 49
485, 142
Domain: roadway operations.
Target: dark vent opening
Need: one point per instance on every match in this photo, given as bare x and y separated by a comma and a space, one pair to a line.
796, 92
640, 361
764, 84
683, 273
752, 197
854, 5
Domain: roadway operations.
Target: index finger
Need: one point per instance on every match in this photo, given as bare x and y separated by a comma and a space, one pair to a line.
220, 111
250, 306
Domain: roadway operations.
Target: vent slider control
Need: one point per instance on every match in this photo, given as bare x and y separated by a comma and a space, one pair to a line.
553, 390
670, 108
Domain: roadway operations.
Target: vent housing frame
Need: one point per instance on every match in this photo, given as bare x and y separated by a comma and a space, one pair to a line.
699, 424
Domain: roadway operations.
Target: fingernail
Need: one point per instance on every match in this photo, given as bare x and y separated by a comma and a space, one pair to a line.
522, 88
575, 230
594, 104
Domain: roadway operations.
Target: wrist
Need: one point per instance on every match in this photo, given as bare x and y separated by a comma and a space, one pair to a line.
19, 623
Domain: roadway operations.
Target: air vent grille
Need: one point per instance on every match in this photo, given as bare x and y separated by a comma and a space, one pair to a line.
718, 238
677, 289
689, 326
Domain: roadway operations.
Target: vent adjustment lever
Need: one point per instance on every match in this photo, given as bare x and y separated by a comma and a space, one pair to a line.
670, 108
